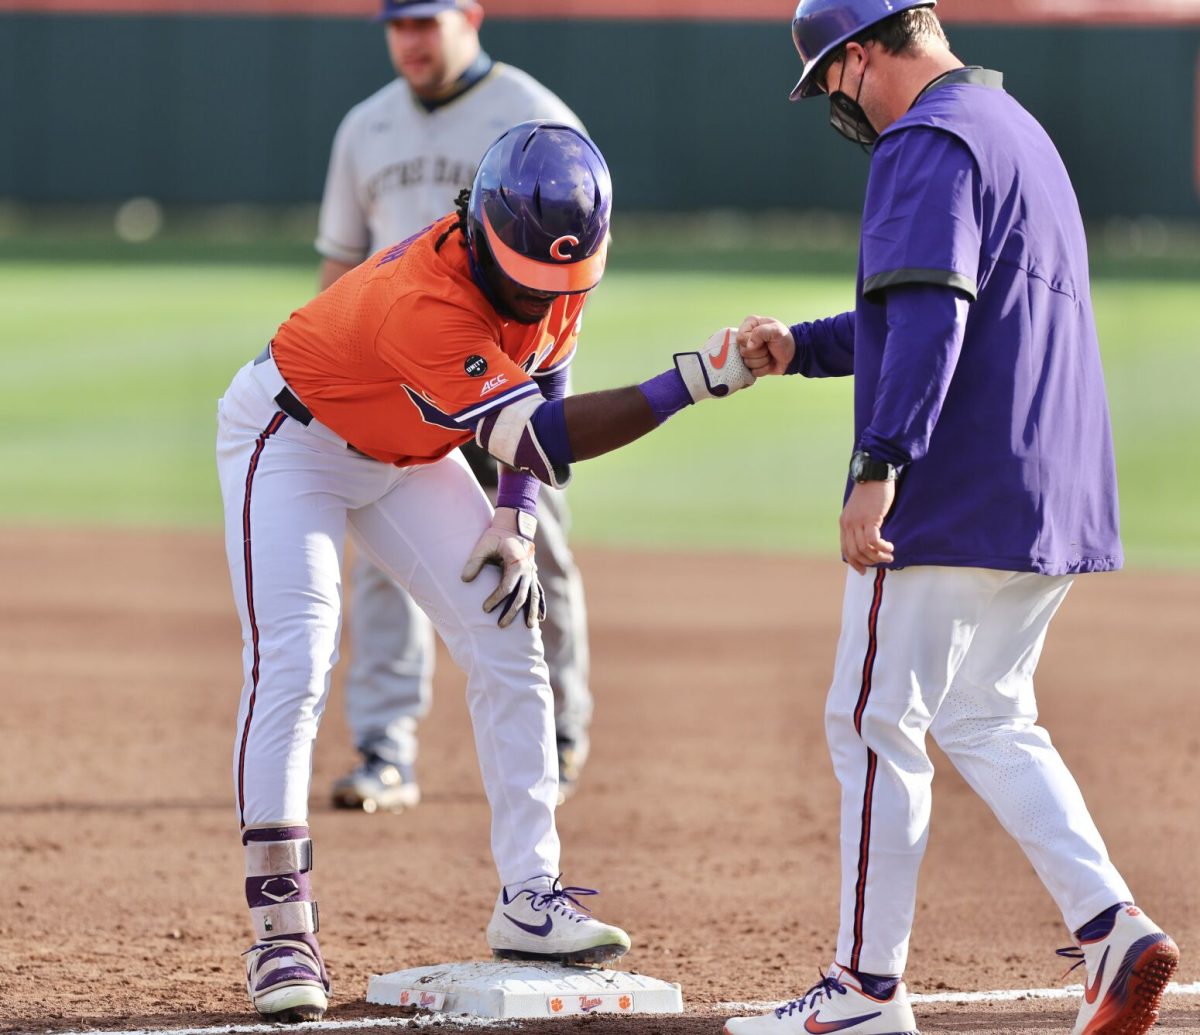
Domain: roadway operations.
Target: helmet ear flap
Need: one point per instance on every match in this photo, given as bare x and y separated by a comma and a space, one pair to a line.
484, 257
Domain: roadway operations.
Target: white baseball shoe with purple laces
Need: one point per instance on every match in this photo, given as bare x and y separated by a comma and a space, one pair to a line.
286, 979
835, 1003
542, 920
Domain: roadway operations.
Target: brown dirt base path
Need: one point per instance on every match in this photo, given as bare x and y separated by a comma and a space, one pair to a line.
707, 816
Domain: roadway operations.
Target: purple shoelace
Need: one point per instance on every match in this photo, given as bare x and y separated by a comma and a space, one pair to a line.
825, 987
1072, 952
563, 898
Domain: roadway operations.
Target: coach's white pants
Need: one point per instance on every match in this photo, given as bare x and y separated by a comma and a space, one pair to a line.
951, 651
291, 493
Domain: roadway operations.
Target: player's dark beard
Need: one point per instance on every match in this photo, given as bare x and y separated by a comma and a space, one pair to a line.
542, 307
846, 115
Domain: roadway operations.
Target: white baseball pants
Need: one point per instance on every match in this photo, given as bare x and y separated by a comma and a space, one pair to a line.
951, 651
291, 493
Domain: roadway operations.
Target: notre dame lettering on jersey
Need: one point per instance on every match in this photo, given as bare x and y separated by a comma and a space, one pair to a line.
397, 167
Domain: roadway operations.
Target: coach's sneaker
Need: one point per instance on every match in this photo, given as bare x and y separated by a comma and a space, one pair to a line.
835, 1003
542, 920
1127, 970
378, 786
286, 979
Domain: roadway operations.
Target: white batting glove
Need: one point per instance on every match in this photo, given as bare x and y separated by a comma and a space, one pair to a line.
508, 544
717, 370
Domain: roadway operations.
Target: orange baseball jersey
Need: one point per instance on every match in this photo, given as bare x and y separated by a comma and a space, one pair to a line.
404, 354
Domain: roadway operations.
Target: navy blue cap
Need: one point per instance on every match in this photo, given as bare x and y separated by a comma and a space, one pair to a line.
420, 8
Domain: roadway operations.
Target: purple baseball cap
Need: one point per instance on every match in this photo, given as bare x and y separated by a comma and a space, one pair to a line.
420, 8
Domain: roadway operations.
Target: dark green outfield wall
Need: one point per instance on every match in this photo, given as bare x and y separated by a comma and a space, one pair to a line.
690, 115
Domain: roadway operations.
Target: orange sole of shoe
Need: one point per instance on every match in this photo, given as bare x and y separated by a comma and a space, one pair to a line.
1136, 1011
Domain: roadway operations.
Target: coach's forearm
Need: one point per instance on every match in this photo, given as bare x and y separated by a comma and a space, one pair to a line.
824, 348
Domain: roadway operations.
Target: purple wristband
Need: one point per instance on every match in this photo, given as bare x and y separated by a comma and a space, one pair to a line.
517, 489
666, 394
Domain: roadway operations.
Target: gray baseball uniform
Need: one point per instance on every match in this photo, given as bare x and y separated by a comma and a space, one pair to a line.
397, 165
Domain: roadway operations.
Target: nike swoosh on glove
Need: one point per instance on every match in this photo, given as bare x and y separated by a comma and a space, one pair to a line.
716, 370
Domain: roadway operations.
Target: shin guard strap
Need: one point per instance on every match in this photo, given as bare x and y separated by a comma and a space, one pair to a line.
267, 858
285, 918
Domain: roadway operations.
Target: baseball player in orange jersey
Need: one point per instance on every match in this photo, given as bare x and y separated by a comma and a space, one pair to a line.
398, 160
349, 421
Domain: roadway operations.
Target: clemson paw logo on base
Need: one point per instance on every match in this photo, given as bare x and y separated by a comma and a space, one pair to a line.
556, 1005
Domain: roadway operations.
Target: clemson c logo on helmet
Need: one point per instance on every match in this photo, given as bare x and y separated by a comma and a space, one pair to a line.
556, 249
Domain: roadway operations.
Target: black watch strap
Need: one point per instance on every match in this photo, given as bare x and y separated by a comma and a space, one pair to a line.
865, 468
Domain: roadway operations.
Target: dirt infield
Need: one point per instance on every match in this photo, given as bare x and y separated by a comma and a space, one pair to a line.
707, 816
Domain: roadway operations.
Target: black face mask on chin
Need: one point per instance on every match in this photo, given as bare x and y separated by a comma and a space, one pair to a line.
847, 116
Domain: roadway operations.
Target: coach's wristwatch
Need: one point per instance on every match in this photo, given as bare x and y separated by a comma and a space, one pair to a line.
865, 468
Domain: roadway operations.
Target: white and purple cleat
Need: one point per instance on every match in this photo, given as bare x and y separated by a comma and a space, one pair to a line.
541, 920
286, 979
1127, 971
836, 1003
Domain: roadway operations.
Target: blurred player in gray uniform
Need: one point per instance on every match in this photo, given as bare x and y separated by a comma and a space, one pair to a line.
399, 159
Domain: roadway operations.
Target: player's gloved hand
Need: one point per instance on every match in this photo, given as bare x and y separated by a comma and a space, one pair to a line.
717, 370
508, 544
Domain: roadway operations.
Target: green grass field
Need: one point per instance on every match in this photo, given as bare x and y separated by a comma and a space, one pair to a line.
111, 371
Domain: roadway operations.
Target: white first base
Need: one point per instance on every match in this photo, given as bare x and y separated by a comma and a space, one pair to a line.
523, 989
